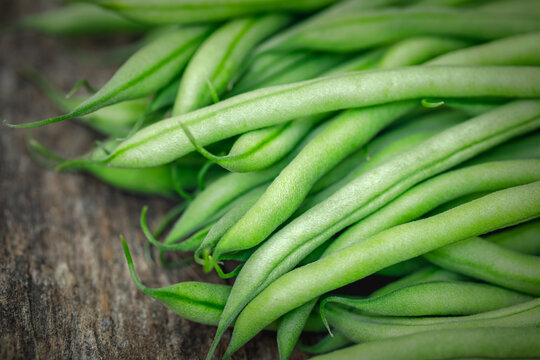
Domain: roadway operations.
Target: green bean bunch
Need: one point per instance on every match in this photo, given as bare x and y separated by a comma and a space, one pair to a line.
307, 145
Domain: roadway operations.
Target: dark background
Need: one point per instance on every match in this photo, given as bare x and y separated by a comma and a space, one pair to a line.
65, 291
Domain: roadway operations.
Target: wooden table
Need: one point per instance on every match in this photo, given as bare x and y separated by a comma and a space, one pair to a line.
65, 291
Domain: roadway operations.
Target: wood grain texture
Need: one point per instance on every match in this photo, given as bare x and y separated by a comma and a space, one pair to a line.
65, 291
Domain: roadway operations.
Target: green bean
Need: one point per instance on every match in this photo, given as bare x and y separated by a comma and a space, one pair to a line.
522, 238
165, 141
360, 328
492, 343
353, 202
327, 344
115, 120
439, 190
433, 298
219, 58
189, 12
427, 274
196, 301
362, 29
484, 260
494, 211
79, 19
191, 243
145, 72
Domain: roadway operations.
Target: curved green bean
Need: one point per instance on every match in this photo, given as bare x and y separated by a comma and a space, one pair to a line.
494, 211
360, 328
356, 30
196, 301
481, 343
433, 298
165, 141
219, 58
484, 260
259, 149
145, 72
116, 120
189, 11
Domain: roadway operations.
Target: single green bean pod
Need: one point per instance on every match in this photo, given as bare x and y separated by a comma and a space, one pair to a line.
361, 29
490, 262
481, 343
361, 328
433, 298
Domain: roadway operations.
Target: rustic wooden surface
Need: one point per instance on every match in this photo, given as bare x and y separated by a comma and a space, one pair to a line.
65, 291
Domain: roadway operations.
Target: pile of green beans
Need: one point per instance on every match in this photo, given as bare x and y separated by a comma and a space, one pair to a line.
310, 144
